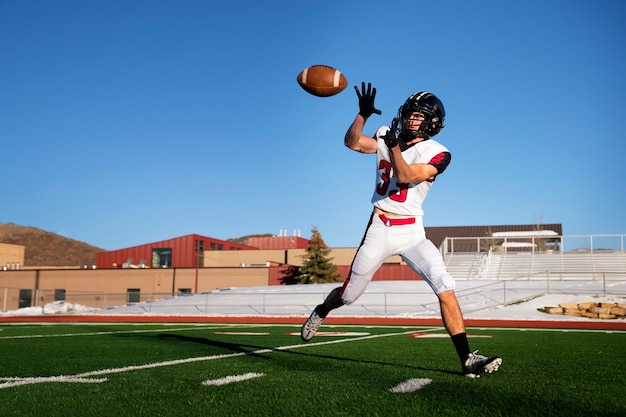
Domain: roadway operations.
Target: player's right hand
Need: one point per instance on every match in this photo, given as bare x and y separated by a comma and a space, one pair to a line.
366, 100
391, 137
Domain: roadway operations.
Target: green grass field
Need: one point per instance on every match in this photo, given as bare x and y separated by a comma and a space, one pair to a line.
180, 370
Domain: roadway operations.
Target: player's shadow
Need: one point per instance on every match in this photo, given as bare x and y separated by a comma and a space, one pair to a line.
253, 349
232, 347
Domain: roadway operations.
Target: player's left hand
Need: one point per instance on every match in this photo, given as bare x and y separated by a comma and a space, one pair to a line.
391, 137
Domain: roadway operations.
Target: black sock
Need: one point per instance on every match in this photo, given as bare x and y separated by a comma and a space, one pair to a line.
461, 345
322, 311
333, 300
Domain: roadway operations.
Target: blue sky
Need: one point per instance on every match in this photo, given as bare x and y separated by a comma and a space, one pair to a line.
127, 122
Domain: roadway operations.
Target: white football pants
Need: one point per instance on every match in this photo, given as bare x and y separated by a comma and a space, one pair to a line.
409, 241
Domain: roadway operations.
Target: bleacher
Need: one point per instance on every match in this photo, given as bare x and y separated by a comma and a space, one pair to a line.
537, 265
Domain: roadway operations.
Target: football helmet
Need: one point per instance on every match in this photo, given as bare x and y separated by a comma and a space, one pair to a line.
430, 107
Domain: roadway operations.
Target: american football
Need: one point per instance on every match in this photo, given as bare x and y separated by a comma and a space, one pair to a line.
322, 80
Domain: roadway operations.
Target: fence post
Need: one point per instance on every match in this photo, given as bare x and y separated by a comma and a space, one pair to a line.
548, 290
385, 304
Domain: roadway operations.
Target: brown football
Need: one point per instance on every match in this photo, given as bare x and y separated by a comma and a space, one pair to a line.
322, 80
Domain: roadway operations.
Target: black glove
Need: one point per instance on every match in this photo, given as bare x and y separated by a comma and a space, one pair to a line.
391, 137
366, 100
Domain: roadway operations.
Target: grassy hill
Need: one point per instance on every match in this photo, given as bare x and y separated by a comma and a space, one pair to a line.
48, 249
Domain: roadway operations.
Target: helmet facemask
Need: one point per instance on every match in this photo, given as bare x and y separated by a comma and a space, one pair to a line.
428, 106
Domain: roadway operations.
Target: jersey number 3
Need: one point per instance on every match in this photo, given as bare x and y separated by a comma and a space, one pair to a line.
382, 188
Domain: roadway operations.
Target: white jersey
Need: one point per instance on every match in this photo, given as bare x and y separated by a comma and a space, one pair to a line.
398, 198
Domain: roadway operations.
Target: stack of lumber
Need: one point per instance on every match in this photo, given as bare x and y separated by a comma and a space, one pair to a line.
591, 309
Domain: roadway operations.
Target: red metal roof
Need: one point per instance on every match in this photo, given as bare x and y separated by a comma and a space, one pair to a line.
183, 251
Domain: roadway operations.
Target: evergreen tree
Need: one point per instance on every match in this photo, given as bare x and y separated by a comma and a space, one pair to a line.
317, 267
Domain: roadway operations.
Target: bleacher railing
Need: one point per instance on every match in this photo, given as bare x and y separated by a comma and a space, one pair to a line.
534, 244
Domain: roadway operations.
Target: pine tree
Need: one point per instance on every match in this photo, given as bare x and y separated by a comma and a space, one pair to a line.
317, 267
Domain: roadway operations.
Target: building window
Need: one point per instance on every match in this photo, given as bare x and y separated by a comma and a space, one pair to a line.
26, 297
200, 253
59, 295
161, 257
133, 295
184, 291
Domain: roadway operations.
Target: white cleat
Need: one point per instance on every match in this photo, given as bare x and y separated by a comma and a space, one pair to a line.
309, 328
475, 365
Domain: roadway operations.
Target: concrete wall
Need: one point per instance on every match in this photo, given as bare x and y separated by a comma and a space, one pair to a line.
248, 257
340, 256
103, 288
110, 287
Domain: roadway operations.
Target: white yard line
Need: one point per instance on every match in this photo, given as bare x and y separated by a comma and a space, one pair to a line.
232, 378
38, 336
411, 385
85, 376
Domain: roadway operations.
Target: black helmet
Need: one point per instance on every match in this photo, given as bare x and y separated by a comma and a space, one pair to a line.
431, 107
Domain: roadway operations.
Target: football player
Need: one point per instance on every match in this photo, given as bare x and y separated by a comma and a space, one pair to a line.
408, 160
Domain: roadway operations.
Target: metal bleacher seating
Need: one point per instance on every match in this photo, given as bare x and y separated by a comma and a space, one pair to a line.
537, 265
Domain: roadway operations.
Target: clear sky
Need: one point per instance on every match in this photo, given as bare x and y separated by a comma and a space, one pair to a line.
124, 122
